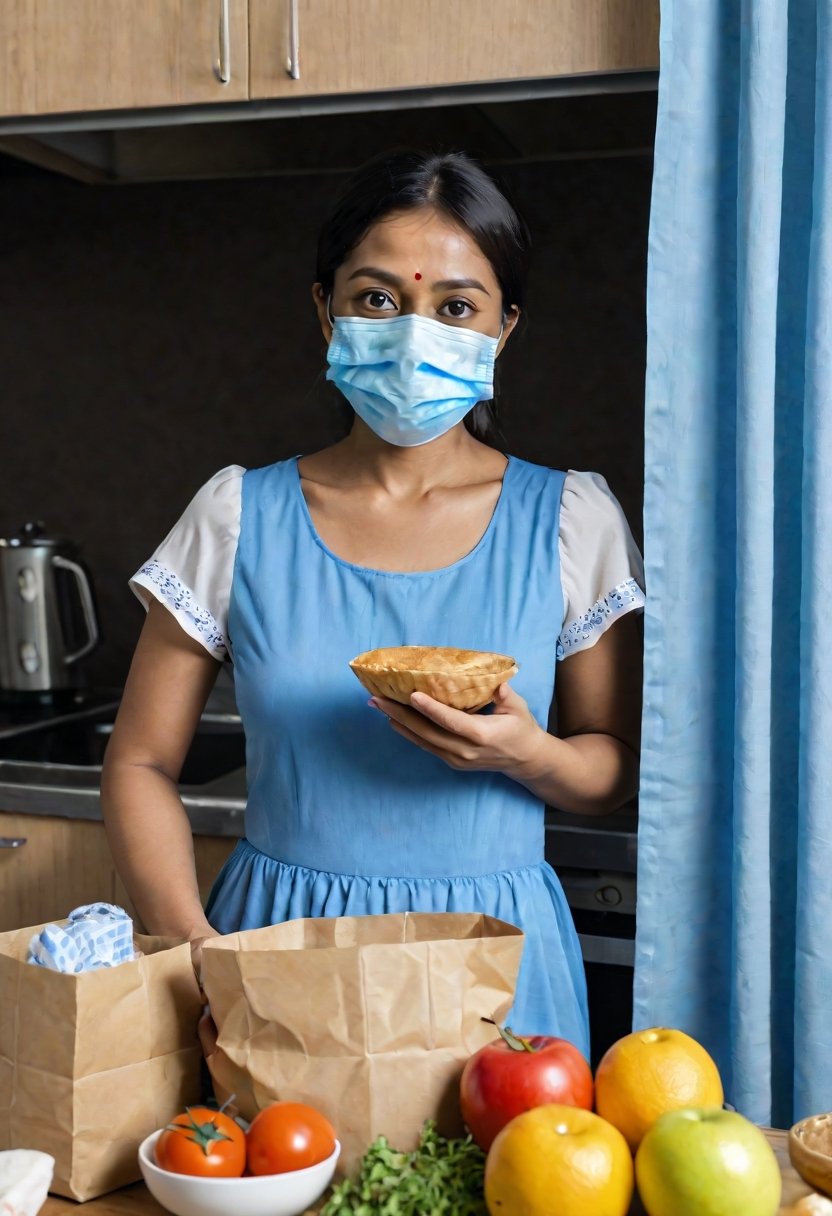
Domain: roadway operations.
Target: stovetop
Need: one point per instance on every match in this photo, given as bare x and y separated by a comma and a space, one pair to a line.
32, 711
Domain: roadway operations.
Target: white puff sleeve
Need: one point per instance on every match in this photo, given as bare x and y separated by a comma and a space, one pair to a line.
190, 572
602, 573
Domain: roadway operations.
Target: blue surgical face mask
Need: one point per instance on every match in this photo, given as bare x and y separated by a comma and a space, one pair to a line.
408, 377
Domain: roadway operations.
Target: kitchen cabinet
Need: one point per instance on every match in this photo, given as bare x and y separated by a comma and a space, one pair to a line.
63, 863
57, 57
303, 47
67, 862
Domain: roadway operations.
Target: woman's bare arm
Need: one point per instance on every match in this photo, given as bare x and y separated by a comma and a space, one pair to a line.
147, 827
591, 767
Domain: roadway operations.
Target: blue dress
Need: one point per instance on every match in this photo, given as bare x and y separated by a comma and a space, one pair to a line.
344, 817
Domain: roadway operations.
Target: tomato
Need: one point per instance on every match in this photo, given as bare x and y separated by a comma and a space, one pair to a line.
288, 1136
514, 1074
204, 1142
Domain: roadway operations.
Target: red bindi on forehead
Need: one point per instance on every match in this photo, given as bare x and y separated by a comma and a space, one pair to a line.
417, 275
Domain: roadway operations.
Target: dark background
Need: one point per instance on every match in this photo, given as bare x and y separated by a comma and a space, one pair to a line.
152, 333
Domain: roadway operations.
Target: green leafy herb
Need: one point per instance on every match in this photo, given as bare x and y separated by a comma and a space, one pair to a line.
439, 1178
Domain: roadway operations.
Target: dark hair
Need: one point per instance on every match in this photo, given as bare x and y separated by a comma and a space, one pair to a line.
454, 184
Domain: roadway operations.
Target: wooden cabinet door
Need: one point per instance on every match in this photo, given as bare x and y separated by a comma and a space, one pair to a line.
64, 863
67, 862
63, 55
348, 46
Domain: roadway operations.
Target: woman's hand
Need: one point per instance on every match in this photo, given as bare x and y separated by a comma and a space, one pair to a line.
505, 741
590, 768
207, 1033
206, 1028
196, 944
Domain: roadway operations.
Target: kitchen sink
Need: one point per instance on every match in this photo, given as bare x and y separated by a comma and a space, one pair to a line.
72, 752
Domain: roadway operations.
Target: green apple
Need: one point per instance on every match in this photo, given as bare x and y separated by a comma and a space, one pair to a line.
706, 1161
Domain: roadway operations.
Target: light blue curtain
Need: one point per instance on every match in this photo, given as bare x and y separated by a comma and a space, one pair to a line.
734, 938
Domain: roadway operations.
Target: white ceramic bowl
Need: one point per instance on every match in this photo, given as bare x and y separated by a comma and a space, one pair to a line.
287, 1194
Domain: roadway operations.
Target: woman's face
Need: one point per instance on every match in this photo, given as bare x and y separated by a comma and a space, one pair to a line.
418, 261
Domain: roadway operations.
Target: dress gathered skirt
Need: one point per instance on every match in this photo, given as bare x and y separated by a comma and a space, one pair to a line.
344, 817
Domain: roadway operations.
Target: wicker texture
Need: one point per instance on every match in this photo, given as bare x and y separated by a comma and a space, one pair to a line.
463, 679
810, 1150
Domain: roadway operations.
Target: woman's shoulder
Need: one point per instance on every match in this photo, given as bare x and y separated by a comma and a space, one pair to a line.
581, 490
217, 500
587, 494
590, 517
225, 481
221, 495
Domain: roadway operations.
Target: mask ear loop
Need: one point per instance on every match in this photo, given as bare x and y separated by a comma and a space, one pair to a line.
503, 318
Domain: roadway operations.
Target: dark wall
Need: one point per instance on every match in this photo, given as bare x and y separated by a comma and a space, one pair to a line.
153, 333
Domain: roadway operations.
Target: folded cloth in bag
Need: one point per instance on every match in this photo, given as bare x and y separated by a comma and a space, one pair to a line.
91, 1063
95, 935
368, 1018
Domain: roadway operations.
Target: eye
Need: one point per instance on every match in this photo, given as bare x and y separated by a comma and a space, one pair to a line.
377, 301
458, 310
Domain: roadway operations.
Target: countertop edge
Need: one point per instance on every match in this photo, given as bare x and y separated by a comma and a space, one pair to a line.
208, 815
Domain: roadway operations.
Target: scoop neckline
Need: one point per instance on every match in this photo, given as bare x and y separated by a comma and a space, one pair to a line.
437, 570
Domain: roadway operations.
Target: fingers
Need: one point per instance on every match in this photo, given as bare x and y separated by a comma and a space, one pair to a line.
196, 959
207, 1032
493, 741
507, 701
452, 748
425, 710
196, 944
450, 730
454, 720
420, 741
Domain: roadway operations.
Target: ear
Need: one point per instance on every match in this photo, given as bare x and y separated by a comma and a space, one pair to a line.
508, 326
320, 301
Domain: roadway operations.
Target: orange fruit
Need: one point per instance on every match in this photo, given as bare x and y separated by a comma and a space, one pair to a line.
650, 1072
558, 1158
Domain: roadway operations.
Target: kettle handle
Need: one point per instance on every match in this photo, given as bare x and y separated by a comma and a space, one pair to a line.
87, 607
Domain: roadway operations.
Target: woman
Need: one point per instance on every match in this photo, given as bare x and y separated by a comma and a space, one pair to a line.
410, 530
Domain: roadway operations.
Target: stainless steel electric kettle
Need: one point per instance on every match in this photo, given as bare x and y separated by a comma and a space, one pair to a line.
48, 619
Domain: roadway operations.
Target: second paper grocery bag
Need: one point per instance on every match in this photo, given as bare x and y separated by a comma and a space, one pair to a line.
368, 1018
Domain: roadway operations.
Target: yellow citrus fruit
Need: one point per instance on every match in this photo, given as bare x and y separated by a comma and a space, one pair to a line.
650, 1072
558, 1158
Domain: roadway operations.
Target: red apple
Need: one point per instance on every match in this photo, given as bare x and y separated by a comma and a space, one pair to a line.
514, 1074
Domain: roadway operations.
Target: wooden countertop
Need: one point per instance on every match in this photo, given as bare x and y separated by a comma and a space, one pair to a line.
135, 1200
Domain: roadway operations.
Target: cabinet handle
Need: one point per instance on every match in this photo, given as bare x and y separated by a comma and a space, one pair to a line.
225, 43
293, 61
12, 842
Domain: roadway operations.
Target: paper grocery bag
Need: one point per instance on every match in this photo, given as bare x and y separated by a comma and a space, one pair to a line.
368, 1018
90, 1064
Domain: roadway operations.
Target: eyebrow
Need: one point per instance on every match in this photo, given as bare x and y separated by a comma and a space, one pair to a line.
384, 276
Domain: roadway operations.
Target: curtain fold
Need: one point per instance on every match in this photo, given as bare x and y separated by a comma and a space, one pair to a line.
734, 942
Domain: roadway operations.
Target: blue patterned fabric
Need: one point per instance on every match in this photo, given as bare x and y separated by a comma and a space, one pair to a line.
179, 600
95, 935
345, 817
735, 837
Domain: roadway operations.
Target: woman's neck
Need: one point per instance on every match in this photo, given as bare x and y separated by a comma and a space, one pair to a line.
452, 458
